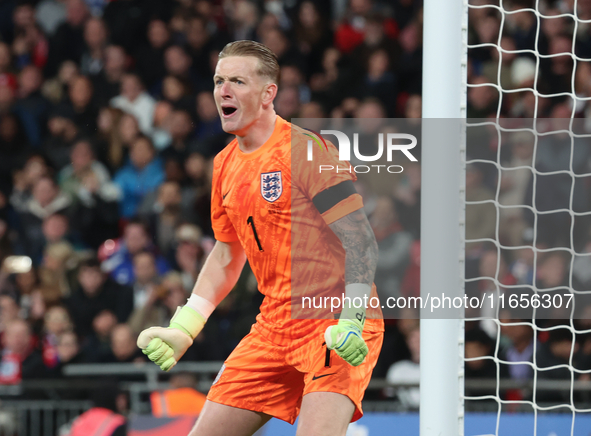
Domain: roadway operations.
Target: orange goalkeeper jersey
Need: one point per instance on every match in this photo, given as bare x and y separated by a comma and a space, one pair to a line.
278, 205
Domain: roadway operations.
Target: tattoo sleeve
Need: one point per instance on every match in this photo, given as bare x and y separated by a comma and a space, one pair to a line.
360, 246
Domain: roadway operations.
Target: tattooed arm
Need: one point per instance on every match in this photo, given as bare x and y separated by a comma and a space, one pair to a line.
361, 259
360, 246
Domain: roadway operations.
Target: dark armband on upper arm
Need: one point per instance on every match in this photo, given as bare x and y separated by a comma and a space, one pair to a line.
330, 197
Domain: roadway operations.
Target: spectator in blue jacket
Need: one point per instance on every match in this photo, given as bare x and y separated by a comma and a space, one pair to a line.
118, 255
142, 175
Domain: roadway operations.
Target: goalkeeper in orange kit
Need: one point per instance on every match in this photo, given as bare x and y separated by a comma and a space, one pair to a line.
317, 369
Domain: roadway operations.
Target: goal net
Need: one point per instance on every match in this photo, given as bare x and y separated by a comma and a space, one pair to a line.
528, 216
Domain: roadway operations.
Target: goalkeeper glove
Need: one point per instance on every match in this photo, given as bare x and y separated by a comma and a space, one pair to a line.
165, 346
345, 337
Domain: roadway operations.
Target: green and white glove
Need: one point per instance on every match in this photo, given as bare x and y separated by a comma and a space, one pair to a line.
345, 337
165, 346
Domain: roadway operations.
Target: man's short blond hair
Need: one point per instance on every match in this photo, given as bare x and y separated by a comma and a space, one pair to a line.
268, 64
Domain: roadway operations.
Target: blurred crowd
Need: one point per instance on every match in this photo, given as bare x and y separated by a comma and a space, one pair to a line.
531, 194
108, 129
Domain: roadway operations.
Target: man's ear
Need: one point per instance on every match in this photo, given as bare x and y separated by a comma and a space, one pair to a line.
269, 93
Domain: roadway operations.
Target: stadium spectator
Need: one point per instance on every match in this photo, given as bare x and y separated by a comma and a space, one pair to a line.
209, 121
56, 268
407, 195
146, 278
95, 37
23, 284
411, 282
379, 81
176, 293
154, 310
20, 359
134, 100
150, 57
162, 117
189, 253
56, 228
558, 190
31, 47
80, 93
107, 82
313, 35
515, 178
46, 200
556, 352
292, 76
287, 103
142, 175
479, 349
118, 131
520, 350
181, 129
480, 218
63, 132
177, 63
406, 371
50, 14
196, 193
68, 41
506, 57
83, 163
411, 60
522, 267
164, 211
199, 46
177, 92
97, 344
394, 248
9, 310
68, 351
244, 20
123, 345
350, 33
119, 254
483, 99
127, 22
56, 88
57, 322
31, 107
95, 293
283, 48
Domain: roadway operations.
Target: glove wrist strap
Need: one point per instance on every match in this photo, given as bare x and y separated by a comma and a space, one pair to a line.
188, 321
201, 305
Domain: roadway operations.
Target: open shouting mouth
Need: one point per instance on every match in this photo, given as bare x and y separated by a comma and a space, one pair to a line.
228, 111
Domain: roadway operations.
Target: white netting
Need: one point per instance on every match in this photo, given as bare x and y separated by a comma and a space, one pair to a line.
528, 210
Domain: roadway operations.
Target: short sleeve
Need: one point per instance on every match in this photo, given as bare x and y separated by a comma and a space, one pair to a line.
223, 229
327, 181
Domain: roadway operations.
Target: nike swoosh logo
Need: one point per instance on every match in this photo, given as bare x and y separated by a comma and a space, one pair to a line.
224, 196
316, 377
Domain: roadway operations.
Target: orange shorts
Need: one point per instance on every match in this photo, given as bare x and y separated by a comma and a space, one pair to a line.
264, 377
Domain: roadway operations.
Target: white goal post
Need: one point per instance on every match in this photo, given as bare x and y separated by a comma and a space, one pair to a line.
442, 241
543, 81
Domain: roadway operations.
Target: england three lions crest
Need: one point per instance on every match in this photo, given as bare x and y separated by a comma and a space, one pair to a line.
271, 186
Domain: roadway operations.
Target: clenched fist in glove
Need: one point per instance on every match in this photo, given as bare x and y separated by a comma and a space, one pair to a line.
346, 337
165, 346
